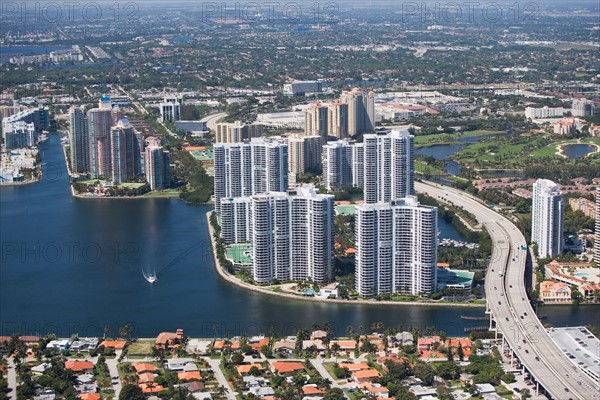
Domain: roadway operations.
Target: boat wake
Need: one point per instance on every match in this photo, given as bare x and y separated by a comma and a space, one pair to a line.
150, 277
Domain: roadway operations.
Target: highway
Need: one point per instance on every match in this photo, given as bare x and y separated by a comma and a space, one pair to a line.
509, 306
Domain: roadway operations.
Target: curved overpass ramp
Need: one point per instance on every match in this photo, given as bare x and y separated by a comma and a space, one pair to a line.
509, 306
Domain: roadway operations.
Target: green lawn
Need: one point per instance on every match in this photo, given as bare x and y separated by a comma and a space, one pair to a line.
140, 347
449, 138
169, 193
424, 168
551, 149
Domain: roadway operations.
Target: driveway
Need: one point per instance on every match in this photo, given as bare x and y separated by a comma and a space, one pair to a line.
215, 366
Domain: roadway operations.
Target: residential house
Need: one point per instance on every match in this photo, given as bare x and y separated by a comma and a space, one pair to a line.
555, 292
376, 390
168, 340
426, 343
244, 369
79, 366
178, 364
141, 367
285, 345
286, 367
365, 375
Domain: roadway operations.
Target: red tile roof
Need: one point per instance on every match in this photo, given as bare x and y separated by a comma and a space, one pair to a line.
78, 366
287, 366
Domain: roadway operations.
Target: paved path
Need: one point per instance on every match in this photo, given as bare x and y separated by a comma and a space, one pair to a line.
112, 368
12, 379
318, 364
215, 366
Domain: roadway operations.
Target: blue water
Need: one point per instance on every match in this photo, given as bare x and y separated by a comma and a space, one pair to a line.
75, 265
578, 150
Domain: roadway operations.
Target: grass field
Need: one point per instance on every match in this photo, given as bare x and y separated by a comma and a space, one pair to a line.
168, 193
140, 347
449, 138
424, 168
551, 149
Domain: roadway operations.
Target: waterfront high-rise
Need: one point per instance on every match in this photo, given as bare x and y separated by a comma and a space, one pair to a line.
337, 119
361, 111
315, 121
547, 218
79, 141
396, 248
389, 161
99, 125
338, 161
236, 132
304, 154
124, 152
19, 134
292, 233
156, 163
597, 230
245, 169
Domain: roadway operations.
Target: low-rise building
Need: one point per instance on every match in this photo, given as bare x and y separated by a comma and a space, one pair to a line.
584, 205
554, 292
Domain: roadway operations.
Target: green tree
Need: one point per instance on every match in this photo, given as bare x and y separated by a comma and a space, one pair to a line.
424, 372
131, 392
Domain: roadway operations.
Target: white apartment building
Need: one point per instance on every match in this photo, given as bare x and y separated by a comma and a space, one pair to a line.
292, 233
396, 245
389, 166
244, 169
597, 229
170, 109
544, 112
547, 218
582, 108
338, 163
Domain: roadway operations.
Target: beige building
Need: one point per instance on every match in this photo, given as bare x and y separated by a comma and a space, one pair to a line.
236, 132
337, 119
304, 154
555, 292
361, 111
564, 127
315, 121
584, 205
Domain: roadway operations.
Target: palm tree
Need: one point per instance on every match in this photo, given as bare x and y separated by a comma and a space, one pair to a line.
125, 331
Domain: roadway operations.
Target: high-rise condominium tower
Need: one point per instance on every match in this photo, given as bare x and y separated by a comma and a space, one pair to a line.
245, 169
547, 218
396, 247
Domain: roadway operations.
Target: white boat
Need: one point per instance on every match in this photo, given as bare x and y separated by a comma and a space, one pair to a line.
151, 278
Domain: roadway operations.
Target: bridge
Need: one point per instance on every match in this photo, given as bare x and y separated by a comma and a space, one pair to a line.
510, 310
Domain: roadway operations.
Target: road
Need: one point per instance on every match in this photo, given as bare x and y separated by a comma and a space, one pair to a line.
12, 378
112, 368
214, 365
134, 103
509, 306
211, 120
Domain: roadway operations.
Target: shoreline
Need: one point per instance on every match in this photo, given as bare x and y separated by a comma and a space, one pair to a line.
21, 183
260, 289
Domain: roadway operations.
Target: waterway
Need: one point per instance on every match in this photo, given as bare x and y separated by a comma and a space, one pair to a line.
75, 265
578, 150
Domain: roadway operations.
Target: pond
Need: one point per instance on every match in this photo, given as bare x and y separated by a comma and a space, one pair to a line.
578, 150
